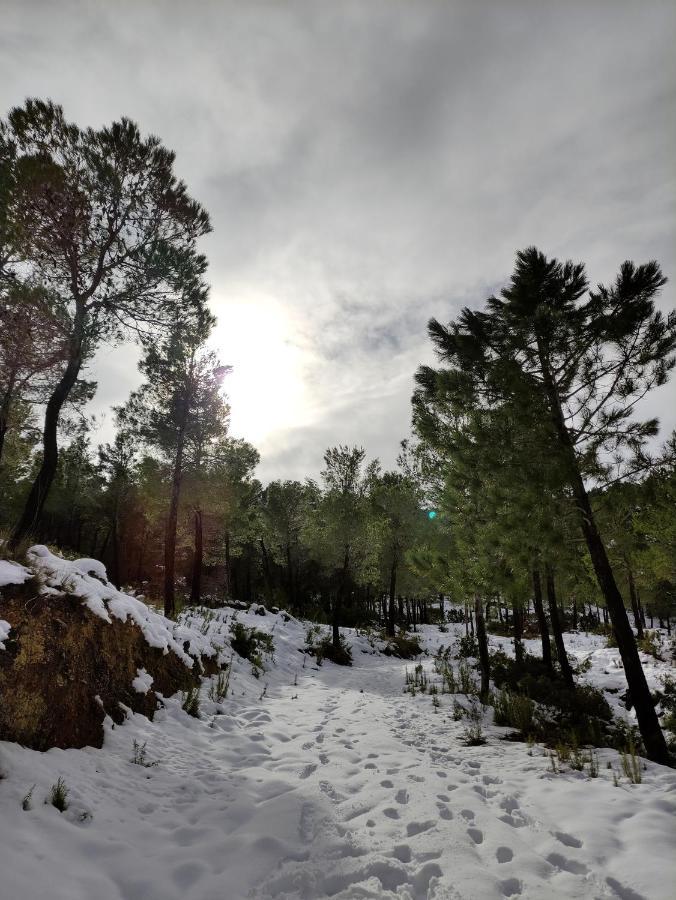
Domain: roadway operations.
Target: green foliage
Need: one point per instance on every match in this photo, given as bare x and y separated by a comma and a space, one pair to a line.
58, 795
27, 800
631, 763
516, 711
191, 702
249, 643
321, 647
650, 644
468, 647
403, 646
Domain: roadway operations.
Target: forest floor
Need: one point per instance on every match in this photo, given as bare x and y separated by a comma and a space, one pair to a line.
335, 783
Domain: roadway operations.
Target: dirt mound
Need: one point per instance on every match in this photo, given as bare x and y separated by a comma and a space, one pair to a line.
64, 668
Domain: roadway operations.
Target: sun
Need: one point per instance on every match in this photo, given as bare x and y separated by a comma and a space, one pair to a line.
266, 389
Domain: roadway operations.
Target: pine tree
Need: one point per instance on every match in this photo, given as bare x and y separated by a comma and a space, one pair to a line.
99, 221
586, 363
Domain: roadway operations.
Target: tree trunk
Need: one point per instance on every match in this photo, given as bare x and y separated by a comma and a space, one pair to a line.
542, 620
651, 733
393, 588
517, 618
228, 574
634, 601
50, 452
337, 606
566, 670
482, 640
170, 533
5, 407
198, 557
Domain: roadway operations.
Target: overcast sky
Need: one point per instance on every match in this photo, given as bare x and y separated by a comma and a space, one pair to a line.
369, 165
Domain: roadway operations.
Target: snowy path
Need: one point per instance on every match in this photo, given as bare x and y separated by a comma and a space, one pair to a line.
338, 793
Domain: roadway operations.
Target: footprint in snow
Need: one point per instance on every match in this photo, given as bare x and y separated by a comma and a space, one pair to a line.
391, 812
444, 812
401, 796
511, 887
323, 759
504, 854
567, 865
306, 771
370, 766
386, 783
414, 828
476, 834
467, 814
568, 839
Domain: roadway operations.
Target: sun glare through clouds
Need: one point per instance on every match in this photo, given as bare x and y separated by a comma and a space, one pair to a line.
266, 389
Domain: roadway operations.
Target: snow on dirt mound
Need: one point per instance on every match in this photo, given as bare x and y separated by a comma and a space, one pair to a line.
73, 647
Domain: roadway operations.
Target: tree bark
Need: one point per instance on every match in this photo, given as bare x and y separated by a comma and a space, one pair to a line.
542, 620
649, 726
517, 618
35, 502
393, 588
198, 557
564, 664
170, 532
634, 601
482, 640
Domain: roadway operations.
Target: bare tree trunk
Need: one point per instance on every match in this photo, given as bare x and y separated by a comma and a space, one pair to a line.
170, 533
393, 588
634, 601
198, 557
482, 640
542, 620
651, 732
566, 670
35, 502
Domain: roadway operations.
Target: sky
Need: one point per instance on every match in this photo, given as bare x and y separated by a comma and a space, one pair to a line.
367, 166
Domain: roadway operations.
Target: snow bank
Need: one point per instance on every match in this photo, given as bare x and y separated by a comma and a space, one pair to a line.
12, 573
143, 681
5, 629
87, 580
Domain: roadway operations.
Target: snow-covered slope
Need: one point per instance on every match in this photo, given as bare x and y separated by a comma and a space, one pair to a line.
312, 782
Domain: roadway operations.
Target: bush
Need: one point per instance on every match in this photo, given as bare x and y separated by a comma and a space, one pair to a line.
58, 795
191, 702
322, 648
468, 646
650, 644
403, 646
249, 642
516, 711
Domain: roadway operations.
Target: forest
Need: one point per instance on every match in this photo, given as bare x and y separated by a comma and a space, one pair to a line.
532, 499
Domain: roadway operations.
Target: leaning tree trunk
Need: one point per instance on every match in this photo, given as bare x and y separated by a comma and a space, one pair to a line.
557, 631
634, 602
198, 557
170, 533
482, 640
50, 451
651, 733
542, 620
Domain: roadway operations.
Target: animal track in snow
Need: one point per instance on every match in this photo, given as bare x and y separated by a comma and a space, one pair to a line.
401, 796
504, 854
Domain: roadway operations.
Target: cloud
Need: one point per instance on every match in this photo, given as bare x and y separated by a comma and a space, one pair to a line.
369, 165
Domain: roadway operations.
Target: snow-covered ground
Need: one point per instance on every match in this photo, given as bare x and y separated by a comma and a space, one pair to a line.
313, 782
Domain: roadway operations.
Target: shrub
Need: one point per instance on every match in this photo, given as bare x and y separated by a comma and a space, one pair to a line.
468, 647
58, 796
473, 736
403, 646
322, 648
650, 644
191, 702
249, 642
516, 711
140, 757
27, 801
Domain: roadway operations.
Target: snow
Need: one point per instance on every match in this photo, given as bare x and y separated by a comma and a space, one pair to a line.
143, 681
86, 579
12, 573
312, 782
5, 629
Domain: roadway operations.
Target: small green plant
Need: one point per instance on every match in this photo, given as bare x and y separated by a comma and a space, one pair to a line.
140, 755
435, 702
577, 760
514, 710
631, 764
58, 795
27, 801
467, 685
554, 762
191, 702
593, 761
218, 690
473, 735
250, 643
650, 644
458, 711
